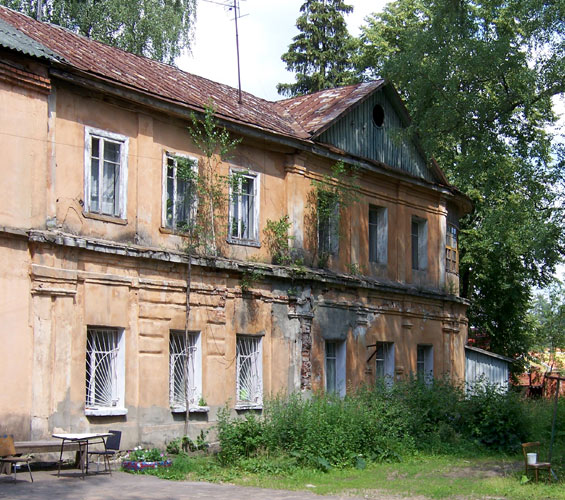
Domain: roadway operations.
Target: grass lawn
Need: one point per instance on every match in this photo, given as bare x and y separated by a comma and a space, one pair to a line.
424, 475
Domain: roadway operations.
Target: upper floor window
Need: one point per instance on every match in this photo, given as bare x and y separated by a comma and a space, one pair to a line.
378, 234
185, 370
106, 173
244, 208
105, 371
451, 253
419, 233
179, 191
335, 367
249, 378
328, 224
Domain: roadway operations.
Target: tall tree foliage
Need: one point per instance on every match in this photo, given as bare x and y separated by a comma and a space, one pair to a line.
320, 54
478, 78
159, 29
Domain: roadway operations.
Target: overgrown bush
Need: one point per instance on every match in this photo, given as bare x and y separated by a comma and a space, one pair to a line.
381, 423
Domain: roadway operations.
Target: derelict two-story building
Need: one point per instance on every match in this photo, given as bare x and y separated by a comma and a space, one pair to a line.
93, 268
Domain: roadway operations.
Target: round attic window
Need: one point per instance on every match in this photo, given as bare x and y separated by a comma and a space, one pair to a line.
378, 115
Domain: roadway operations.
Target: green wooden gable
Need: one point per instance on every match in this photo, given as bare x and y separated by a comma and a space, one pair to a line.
359, 134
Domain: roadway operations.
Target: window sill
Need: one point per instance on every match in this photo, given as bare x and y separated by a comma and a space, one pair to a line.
105, 412
249, 406
168, 230
105, 218
191, 409
246, 243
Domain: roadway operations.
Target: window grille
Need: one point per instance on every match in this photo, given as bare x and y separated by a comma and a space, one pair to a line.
182, 370
102, 350
249, 370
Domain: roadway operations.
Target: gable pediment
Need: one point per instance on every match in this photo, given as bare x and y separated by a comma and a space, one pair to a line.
375, 129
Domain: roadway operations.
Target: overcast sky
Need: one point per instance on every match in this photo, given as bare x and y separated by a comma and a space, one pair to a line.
266, 29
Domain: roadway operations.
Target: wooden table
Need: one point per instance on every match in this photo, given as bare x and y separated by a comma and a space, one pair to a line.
82, 440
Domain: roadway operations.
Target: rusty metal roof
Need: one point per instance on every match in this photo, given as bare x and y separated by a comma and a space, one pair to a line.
316, 112
147, 75
301, 117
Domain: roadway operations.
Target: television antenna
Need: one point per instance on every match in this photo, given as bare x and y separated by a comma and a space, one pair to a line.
233, 5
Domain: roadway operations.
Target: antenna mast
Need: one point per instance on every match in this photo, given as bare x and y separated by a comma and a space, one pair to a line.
239, 100
233, 4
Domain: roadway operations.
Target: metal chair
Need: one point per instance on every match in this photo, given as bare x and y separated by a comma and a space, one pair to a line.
7, 452
112, 447
533, 447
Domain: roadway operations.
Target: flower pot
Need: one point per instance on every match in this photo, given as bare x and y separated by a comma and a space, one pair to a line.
135, 465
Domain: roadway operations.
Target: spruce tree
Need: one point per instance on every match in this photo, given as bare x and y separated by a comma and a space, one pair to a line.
320, 55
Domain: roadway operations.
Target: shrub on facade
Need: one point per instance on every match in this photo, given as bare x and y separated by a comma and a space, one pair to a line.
380, 423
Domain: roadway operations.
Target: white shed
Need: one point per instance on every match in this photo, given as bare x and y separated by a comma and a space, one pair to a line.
487, 367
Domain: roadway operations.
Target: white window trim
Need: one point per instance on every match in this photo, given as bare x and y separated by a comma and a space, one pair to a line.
90, 132
254, 241
197, 360
340, 366
382, 235
194, 207
244, 404
119, 408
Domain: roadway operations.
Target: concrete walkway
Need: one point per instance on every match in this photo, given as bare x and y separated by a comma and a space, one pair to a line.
124, 486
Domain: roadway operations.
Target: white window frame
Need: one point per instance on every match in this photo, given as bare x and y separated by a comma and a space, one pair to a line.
120, 206
104, 347
253, 236
419, 238
340, 367
378, 235
384, 357
249, 348
179, 354
165, 192
425, 363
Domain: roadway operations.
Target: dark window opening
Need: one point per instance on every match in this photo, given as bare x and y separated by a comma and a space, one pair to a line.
378, 115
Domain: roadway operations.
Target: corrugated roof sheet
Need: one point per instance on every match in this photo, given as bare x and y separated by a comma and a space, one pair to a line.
14, 39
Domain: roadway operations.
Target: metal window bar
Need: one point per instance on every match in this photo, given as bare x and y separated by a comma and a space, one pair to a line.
102, 347
181, 363
249, 377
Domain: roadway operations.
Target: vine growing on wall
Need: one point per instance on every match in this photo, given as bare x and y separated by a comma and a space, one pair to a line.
330, 196
208, 192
